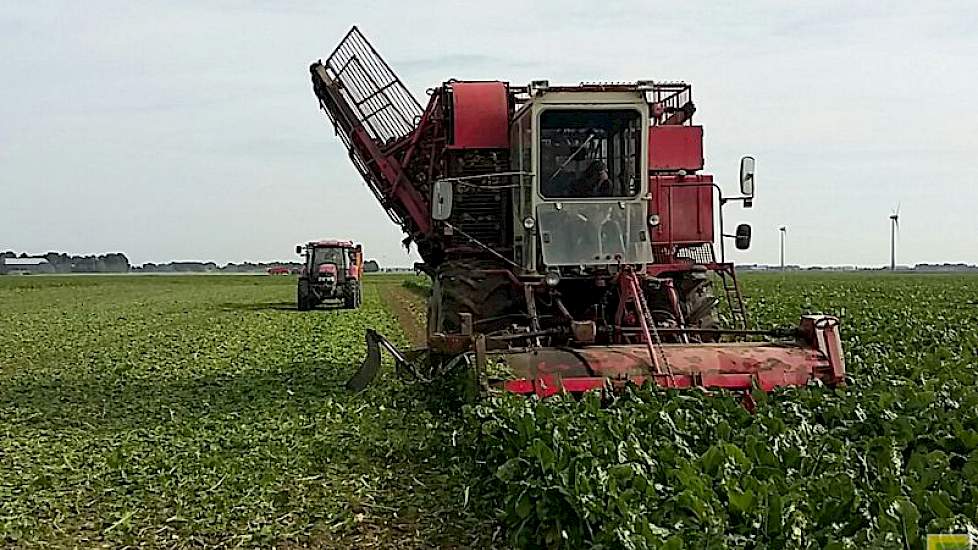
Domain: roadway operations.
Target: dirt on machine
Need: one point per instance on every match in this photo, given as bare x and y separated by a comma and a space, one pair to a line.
568, 231
331, 274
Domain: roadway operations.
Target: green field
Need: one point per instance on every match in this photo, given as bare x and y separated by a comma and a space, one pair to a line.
193, 410
205, 411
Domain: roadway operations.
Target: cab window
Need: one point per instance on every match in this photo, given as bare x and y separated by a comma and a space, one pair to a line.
588, 153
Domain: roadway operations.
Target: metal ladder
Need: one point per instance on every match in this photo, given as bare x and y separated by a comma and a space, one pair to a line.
735, 300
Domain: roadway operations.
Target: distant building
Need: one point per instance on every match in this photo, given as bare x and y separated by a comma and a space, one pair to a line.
25, 266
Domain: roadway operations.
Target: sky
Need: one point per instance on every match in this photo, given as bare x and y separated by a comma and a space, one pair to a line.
187, 130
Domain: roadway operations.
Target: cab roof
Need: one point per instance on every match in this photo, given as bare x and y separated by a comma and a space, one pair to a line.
330, 243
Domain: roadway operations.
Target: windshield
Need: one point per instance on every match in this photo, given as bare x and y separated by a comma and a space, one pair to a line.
594, 233
590, 153
327, 256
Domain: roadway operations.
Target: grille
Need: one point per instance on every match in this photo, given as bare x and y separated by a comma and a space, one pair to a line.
698, 254
480, 209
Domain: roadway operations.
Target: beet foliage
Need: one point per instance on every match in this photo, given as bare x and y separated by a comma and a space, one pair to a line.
877, 464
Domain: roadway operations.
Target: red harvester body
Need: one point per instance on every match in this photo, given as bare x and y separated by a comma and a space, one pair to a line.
568, 231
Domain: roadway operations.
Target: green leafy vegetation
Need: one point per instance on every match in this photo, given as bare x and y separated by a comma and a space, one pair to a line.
205, 411
419, 284
878, 464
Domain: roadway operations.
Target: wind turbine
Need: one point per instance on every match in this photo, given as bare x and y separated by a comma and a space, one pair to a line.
894, 229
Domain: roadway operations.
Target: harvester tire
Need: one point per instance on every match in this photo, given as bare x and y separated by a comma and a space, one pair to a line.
700, 304
303, 299
464, 286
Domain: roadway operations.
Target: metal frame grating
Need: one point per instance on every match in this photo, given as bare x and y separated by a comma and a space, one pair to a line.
383, 103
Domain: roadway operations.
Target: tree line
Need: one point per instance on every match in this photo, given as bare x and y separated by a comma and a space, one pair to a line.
115, 262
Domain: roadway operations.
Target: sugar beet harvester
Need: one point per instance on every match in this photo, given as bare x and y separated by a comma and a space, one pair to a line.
568, 232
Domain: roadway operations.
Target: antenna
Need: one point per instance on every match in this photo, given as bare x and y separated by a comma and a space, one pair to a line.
894, 229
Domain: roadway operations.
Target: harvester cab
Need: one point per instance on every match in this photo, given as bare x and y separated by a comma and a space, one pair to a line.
569, 232
331, 273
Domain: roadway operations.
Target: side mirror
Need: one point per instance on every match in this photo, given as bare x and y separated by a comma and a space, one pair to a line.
742, 237
298, 249
441, 203
747, 176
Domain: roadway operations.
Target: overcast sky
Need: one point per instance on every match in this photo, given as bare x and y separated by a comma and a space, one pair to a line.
188, 129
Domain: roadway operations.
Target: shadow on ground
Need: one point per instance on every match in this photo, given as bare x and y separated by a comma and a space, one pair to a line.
258, 306
114, 402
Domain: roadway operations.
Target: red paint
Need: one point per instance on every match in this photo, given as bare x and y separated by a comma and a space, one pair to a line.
675, 148
685, 209
387, 169
327, 269
480, 115
629, 294
731, 366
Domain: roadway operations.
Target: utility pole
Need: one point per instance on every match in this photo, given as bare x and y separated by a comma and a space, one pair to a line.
894, 227
783, 229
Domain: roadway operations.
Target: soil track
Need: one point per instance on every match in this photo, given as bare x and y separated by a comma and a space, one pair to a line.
407, 306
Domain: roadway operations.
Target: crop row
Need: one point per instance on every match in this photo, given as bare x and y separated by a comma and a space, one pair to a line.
877, 464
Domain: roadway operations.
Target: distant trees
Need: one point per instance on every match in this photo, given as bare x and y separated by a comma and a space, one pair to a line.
211, 267
115, 262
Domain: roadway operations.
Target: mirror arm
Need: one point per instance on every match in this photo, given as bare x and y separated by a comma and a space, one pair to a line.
741, 198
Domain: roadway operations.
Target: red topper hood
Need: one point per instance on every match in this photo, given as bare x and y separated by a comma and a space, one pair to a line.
327, 269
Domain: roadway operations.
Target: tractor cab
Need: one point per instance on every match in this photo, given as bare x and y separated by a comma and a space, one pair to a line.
610, 174
331, 271
582, 152
329, 259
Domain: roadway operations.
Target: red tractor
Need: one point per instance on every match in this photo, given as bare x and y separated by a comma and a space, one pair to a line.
331, 272
568, 231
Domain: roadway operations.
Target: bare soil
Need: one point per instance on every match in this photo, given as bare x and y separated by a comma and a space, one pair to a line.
407, 306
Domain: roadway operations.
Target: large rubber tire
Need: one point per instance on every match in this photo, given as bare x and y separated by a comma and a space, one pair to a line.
699, 304
303, 296
463, 286
352, 300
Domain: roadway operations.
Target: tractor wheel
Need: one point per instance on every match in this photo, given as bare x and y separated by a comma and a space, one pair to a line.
699, 304
303, 297
463, 286
352, 300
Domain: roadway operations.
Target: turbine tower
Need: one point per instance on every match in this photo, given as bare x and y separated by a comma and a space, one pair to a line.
894, 228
